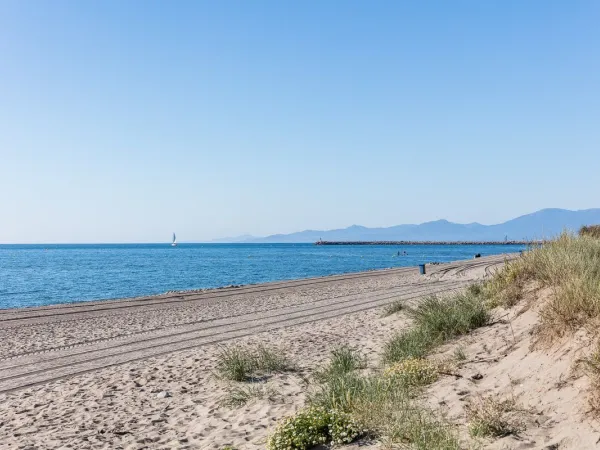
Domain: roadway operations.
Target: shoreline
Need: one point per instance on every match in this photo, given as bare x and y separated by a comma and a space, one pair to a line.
232, 288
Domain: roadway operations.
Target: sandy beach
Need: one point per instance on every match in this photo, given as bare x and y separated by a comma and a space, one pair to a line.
139, 373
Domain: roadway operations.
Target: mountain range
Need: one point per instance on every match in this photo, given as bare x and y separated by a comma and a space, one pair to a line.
541, 224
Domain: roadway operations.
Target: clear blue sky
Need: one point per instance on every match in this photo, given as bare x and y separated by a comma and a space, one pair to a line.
122, 121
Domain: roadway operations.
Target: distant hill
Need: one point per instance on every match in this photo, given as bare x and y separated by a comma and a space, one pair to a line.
540, 224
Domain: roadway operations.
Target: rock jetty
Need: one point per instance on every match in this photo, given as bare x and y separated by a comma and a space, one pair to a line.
428, 242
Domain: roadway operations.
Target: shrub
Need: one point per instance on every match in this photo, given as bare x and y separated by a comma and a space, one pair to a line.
313, 426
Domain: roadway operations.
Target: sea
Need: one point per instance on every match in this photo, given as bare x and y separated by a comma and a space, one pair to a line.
37, 275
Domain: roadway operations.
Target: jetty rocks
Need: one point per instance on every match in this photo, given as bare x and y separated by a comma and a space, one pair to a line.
428, 242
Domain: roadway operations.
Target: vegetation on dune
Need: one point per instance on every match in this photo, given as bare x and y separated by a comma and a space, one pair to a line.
343, 360
413, 371
437, 320
379, 405
570, 267
384, 405
313, 426
494, 417
590, 230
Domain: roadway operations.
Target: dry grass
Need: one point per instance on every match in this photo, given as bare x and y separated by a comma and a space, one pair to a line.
243, 363
494, 417
239, 395
413, 371
590, 230
570, 267
393, 308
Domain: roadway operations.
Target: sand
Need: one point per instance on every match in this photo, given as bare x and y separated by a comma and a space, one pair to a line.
140, 373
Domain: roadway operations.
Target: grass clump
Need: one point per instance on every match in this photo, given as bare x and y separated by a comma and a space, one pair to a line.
385, 408
492, 417
393, 308
413, 371
459, 354
239, 395
343, 360
239, 363
313, 426
437, 320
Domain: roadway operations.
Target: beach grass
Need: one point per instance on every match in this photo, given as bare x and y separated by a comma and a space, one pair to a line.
590, 230
343, 360
243, 363
393, 308
239, 395
385, 403
493, 416
436, 320
569, 267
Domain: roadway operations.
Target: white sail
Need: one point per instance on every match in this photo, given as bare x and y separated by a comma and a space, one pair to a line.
174, 243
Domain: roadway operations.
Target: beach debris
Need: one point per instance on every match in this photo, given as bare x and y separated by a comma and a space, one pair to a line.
163, 394
477, 376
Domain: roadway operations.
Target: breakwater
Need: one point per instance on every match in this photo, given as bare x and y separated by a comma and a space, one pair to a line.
428, 242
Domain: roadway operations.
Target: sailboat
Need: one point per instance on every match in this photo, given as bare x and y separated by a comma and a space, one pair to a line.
174, 243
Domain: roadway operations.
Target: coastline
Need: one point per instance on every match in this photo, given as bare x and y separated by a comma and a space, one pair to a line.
81, 368
235, 288
68, 275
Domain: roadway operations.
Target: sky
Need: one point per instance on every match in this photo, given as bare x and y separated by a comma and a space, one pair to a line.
127, 121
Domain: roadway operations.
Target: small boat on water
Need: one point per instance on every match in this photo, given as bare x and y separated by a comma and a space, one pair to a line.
174, 243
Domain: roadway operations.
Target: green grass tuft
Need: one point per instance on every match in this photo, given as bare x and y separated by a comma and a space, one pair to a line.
239, 363
437, 320
344, 359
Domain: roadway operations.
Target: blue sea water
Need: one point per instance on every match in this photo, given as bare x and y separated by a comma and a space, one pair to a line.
34, 275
